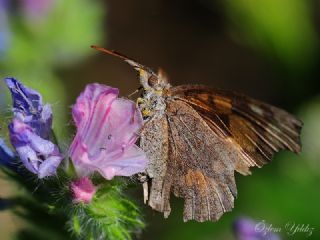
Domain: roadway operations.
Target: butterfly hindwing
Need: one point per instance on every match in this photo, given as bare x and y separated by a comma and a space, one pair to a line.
202, 165
199, 166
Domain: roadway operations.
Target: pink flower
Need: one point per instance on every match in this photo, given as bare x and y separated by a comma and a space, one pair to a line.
108, 128
83, 190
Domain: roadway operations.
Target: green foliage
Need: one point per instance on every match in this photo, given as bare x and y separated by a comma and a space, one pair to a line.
109, 216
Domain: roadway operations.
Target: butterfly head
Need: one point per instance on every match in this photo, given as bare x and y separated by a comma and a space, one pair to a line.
151, 82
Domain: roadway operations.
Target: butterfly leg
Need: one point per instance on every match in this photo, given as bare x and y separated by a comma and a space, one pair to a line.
135, 92
145, 192
143, 178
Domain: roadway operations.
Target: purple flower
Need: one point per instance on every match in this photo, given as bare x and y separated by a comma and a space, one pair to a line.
30, 130
38, 155
107, 129
247, 229
83, 190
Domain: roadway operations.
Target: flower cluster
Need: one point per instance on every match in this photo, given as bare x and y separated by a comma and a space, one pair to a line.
107, 129
103, 147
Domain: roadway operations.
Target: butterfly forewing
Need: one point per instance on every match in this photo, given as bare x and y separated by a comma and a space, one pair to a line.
258, 129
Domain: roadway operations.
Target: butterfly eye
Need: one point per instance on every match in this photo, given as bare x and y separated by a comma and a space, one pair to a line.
152, 81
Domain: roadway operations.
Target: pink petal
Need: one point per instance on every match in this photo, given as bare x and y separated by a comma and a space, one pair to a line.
131, 162
91, 105
108, 127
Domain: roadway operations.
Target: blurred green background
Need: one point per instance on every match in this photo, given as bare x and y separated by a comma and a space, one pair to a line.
268, 49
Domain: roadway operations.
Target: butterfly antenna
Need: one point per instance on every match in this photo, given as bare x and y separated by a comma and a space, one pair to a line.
130, 61
111, 52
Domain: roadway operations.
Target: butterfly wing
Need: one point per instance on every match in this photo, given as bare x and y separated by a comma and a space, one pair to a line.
190, 160
256, 128
202, 139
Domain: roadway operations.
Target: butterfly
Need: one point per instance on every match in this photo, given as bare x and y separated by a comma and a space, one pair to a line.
196, 138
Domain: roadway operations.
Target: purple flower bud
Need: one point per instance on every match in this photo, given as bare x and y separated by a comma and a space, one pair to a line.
107, 129
28, 107
83, 190
247, 229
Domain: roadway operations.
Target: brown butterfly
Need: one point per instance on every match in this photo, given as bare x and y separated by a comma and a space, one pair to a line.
196, 138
